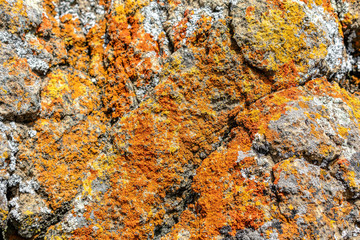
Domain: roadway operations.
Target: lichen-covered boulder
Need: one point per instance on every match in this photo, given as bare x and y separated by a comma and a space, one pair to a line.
174, 119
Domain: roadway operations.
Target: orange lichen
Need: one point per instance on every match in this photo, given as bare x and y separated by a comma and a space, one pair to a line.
71, 151
77, 87
77, 53
343, 131
200, 115
125, 52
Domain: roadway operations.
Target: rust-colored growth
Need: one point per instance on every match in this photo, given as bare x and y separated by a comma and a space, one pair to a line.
127, 66
181, 153
71, 152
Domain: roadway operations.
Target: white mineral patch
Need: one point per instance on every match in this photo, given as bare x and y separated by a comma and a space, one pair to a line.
336, 53
87, 12
32, 133
9, 143
242, 155
3, 187
234, 2
15, 208
71, 221
37, 64
154, 18
196, 16
28, 186
23, 50
340, 7
36, 4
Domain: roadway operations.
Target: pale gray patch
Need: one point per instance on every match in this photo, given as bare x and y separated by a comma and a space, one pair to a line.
288, 184
38, 63
242, 155
29, 186
154, 18
88, 12
198, 13
9, 145
32, 133
336, 59
14, 213
14, 180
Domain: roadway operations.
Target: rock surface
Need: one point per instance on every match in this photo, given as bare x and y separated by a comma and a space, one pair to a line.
173, 119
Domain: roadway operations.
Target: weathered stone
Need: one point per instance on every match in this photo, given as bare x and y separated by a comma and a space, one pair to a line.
139, 119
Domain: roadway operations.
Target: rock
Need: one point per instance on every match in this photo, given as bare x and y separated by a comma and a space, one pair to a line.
304, 193
300, 129
20, 94
179, 119
29, 215
276, 36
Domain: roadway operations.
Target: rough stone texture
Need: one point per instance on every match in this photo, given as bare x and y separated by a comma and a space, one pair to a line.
174, 119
